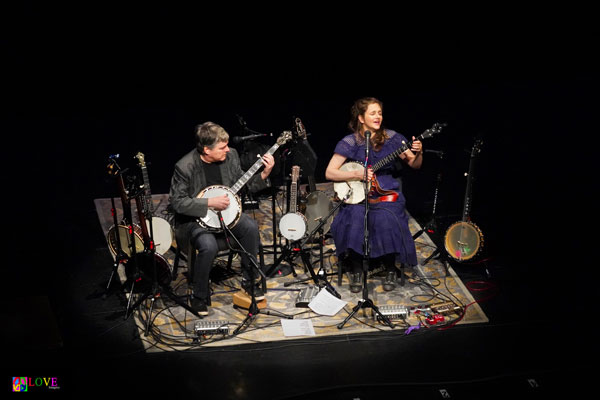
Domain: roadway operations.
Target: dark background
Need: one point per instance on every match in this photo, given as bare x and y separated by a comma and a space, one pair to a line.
102, 80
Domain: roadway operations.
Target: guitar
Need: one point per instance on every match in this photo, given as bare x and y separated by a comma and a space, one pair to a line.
358, 187
293, 224
233, 212
463, 239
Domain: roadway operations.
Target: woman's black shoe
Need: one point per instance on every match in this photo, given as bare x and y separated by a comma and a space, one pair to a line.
390, 281
355, 282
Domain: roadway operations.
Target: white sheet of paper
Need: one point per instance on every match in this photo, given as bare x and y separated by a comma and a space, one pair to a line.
325, 303
297, 327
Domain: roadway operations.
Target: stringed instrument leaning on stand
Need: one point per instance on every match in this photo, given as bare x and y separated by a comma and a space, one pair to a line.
293, 224
463, 239
358, 187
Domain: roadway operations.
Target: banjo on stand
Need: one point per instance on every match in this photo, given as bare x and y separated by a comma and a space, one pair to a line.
293, 224
358, 190
463, 239
161, 230
233, 212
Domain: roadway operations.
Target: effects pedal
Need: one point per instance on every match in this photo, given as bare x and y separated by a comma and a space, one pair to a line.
392, 312
446, 308
203, 327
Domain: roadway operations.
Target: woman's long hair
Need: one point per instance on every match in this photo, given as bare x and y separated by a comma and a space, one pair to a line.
359, 107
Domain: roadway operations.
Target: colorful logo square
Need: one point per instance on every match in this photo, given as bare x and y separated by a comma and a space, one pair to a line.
19, 384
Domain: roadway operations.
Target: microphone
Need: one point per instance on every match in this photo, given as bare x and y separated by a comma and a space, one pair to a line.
438, 153
241, 120
239, 139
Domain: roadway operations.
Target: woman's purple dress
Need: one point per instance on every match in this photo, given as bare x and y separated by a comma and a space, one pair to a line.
388, 221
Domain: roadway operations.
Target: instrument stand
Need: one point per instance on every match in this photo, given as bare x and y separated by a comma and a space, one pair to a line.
120, 256
157, 288
432, 225
321, 273
253, 309
286, 251
284, 269
366, 302
319, 279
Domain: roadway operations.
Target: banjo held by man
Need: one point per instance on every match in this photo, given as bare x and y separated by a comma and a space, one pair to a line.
233, 212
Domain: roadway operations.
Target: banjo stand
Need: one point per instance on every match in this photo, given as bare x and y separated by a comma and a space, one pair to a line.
431, 227
320, 278
120, 256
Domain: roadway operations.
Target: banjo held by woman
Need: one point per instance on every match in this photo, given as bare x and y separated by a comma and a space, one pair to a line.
233, 212
463, 239
357, 187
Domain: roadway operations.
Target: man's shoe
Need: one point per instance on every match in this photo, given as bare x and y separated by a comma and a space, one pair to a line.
199, 305
355, 282
258, 293
390, 281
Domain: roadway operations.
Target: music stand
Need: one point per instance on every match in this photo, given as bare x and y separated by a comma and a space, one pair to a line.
300, 153
366, 302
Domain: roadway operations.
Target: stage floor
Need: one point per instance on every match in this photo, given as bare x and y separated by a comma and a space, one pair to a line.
172, 327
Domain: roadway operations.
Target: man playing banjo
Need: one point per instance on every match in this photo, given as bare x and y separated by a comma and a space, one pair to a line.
213, 165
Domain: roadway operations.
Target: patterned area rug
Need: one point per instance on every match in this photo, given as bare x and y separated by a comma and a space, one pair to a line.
432, 295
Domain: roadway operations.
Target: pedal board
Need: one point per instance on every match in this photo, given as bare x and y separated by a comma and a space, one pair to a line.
204, 327
392, 312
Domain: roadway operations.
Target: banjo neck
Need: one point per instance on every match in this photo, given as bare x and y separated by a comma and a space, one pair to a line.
468, 192
148, 209
436, 128
294, 189
254, 168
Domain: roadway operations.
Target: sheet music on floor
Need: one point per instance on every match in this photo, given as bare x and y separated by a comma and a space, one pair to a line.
326, 304
297, 327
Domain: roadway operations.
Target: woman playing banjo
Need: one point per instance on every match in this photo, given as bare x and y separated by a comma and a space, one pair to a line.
390, 237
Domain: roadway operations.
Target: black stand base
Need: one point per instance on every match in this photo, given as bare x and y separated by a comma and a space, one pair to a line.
154, 293
282, 270
366, 303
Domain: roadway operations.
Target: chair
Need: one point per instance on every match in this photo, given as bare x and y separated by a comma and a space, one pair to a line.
190, 258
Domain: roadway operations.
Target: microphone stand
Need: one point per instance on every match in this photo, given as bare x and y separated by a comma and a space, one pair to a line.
365, 302
432, 224
253, 309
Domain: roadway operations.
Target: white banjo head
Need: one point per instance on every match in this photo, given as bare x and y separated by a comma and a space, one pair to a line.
293, 226
162, 234
357, 187
230, 215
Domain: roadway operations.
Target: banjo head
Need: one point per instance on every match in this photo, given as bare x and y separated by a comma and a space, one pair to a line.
293, 226
231, 214
343, 187
463, 241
